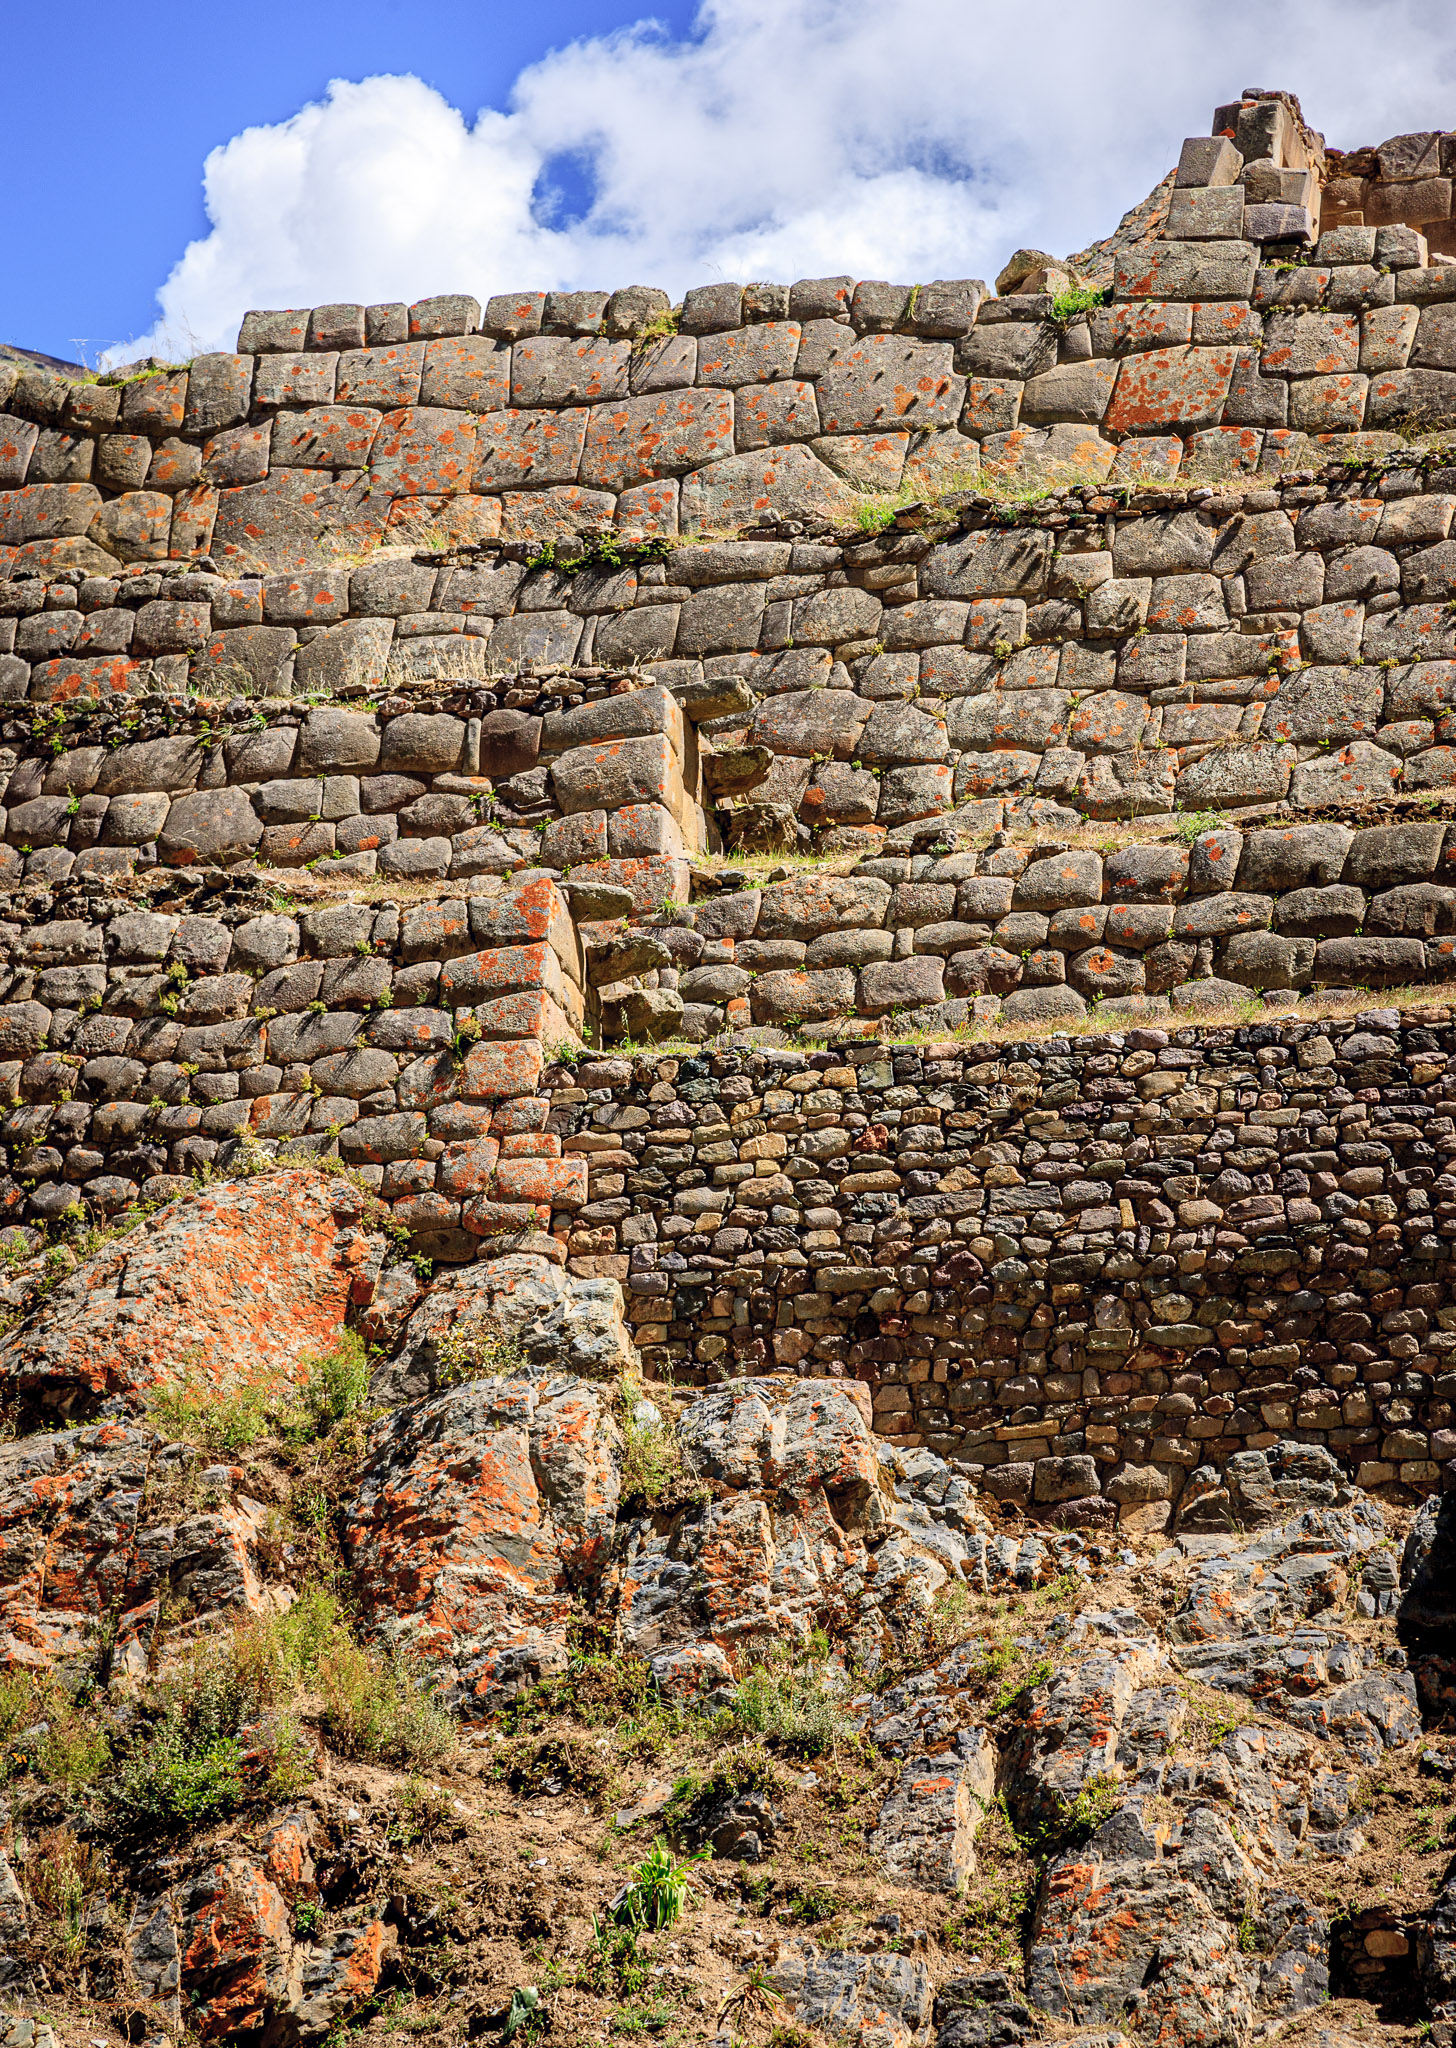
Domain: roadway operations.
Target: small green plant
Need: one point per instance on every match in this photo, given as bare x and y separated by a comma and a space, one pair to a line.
657, 328
466, 1032
331, 1386
1194, 824
813, 1903
1078, 299
657, 1894
61, 1873
746, 1768
1081, 1816
473, 1349
653, 1464
525, 2015
193, 1410
614, 1962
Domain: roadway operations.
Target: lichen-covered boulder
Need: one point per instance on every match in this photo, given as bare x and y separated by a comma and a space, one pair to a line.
796, 1535
220, 1945
103, 1528
241, 1283
478, 1515
550, 1317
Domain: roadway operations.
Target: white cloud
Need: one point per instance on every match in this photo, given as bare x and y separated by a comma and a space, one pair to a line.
781, 139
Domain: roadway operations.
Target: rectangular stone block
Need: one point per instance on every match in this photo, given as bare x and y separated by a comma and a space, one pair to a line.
499, 1068
653, 881
656, 435
607, 774
1276, 221
769, 415
382, 377
527, 913
1171, 387
1205, 213
1207, 160
1185, 270
467, 373
298, 380
533, 448
890, 380
1071, 391
480, 977
219, 388
556, 369
561, 1182
749, 355
47, 511
324, 437
425, 451
634, 715
989, 564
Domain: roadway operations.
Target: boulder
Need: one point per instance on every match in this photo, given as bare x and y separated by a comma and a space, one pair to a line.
879, 2001
522, 1301
242, 1283
476, 1515
220, 1944
97, 1530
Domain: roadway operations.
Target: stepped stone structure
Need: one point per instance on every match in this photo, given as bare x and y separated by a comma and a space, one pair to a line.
379, 699
770, 983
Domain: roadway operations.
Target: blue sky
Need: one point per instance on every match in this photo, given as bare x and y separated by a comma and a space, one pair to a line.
176, 169
115, 113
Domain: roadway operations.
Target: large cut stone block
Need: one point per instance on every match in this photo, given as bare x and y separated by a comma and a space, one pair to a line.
606, 774
788, 481
809, 722
662, 434
1185, 270
1184, 387
890, 380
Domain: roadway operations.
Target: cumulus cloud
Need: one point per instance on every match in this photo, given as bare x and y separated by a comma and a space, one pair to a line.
779, 139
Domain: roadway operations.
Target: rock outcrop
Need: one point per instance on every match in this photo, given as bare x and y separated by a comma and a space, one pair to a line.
238, 1284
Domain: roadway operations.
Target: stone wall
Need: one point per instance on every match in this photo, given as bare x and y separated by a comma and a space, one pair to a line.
1088, 1267
1229, 340
412, 598
1089, 655
1090, 1270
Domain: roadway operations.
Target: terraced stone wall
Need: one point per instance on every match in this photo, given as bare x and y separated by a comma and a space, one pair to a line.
1093, 1266
1088, 1270
1226, 334
1086, 656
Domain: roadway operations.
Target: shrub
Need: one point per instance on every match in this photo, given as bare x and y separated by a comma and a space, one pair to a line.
214, 1734
813, 1903
335, 1384
1080, 1818
614, 1961
532, 1766
51, 1731
653, 1463
749, 1768
795, 1700
1196, 823
221, 1730
375, 1707
192, 1410
473, 1348
1081, 298
61, 1873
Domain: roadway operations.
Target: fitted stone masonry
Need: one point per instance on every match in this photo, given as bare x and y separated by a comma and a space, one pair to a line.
487, 628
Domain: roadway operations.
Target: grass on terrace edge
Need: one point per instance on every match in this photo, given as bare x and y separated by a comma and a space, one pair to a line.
1334, 1006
